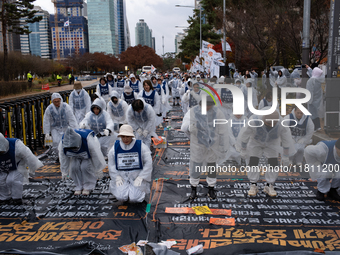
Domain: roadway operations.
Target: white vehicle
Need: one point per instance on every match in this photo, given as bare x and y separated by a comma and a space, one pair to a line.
176, 69
146, 69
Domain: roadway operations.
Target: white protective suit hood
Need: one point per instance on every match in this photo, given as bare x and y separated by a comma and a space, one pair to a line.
115, 94
4, 144
99, 103
71, 139
303, 118
295, 74
56, 95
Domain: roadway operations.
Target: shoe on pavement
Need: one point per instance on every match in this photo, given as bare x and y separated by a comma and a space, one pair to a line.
173, 104
85, 192
270, 190
253, 190
177, 104
333, 194
212, 193
193, 194
320, 196
77, 192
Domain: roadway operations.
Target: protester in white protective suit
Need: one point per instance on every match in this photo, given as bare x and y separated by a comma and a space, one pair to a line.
117, 109
165, 101
16, 163
79, 101
81, 159
302, 129
295, 78
129, 95
151, 97
130, 181
58, 116
255, 103
104, 89
141, 117
185, 87
192, 97
265, 136
101, 123
135, 84
227, 101
267, 101
208, 144
236, 124
157, 86
315, 105
323, 160
175, 85
281, 80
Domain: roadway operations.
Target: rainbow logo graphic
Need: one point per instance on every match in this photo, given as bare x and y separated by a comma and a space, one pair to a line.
209, 93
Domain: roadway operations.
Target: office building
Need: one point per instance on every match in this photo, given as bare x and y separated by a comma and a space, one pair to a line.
143, 34
38, 42
179, 37
123, 27
103, 26
70, 34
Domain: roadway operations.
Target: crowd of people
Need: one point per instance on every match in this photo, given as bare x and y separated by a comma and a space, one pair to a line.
114, 127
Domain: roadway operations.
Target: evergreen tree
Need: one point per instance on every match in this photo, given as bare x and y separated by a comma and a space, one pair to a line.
11, 14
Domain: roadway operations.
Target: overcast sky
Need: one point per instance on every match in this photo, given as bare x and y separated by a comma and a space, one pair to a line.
161, 16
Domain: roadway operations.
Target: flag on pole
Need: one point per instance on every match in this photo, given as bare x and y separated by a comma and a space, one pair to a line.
153, 69
227, 46
67, 23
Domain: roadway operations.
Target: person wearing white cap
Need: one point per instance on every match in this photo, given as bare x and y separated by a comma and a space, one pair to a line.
265, 136
129, 95
130, 167
101, 123
58, 116
208, 145
141, 117
117, 109
79, 101
135, 84
81, 159
16, 163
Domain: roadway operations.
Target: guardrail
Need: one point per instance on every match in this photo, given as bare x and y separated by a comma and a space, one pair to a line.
23, 118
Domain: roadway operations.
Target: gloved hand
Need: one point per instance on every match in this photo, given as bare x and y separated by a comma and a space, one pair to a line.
48, 137
106, 132
64, 177
243, 153
138, 182
301, 141
285, 161
119, 181
139, 131
145, 133
83, 126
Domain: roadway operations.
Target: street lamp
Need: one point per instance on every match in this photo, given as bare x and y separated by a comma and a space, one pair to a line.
188, 6
87, 64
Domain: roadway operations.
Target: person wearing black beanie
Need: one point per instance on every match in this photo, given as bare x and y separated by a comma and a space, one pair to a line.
323, 162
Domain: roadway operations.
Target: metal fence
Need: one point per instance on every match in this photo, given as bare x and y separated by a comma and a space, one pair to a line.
23, 118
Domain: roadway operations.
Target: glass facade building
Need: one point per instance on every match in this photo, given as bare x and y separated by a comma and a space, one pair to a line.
38, 42
143, 34
103, 26
123, 27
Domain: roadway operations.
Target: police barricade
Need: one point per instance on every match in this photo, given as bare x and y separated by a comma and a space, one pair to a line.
23, 118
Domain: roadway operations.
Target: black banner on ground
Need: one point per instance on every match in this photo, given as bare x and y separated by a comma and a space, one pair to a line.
294, 220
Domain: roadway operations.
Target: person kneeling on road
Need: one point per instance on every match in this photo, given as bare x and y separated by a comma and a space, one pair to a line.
81, 159
130, 167
324, 160
15, 157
